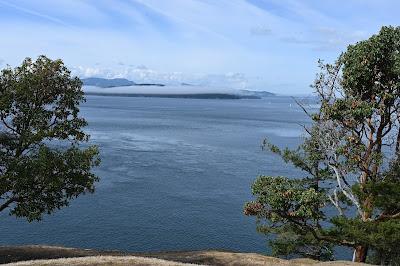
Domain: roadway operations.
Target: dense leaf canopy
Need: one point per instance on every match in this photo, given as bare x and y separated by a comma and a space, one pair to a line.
42, 163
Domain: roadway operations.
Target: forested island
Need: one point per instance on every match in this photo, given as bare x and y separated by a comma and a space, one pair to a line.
180, 95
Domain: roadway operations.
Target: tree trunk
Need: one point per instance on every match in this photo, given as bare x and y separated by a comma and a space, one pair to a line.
360, 254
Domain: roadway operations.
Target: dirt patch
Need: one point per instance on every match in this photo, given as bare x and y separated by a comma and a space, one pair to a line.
101, 261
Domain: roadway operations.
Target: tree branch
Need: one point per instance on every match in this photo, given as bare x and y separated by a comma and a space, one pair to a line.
383, 217
346, 190
335, 202
7, 203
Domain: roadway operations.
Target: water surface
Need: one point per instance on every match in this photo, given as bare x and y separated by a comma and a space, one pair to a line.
175, 175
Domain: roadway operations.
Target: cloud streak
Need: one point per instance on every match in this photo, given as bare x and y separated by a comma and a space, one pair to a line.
34, 13
274, 40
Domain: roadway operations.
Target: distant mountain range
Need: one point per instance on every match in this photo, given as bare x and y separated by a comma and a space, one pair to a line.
117, 82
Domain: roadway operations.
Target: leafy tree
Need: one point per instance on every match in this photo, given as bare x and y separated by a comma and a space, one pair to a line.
350, 192
42, 166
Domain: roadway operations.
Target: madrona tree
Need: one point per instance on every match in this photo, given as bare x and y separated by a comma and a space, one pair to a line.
349, 194
42, 163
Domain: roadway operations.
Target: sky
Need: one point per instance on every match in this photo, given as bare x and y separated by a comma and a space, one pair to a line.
268, 45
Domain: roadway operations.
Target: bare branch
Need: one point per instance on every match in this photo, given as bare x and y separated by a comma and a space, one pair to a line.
346, 190
335, 202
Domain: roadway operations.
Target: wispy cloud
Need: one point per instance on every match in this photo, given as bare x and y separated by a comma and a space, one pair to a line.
324, 38
143, 74
33, 13
177, 17
260, 31
272, 39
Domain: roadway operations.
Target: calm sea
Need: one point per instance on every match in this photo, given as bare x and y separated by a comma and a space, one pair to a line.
175, 175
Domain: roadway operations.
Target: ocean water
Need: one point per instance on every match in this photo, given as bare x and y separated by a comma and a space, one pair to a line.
175, 175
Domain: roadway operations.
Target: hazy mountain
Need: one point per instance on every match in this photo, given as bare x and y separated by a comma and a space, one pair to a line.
117, 82
260, 94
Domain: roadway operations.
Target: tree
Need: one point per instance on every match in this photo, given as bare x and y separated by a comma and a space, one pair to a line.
350, 192
42, 166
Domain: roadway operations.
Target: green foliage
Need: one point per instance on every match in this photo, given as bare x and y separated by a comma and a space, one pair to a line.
289, 241
371, 68
349, 192
39, 111
289, 196
381, 237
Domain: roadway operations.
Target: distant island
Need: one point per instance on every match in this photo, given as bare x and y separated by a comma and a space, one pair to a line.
116, 82
107, 83
122, 82
181, 95
260, 94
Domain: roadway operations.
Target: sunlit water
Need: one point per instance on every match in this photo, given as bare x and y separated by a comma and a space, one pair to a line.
175, 175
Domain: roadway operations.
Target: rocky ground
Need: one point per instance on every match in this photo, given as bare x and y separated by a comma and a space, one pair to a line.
50, 255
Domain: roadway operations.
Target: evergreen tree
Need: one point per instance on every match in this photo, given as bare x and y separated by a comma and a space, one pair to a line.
350, 192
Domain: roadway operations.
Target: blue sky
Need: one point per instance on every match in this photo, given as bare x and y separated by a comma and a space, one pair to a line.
256, 44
